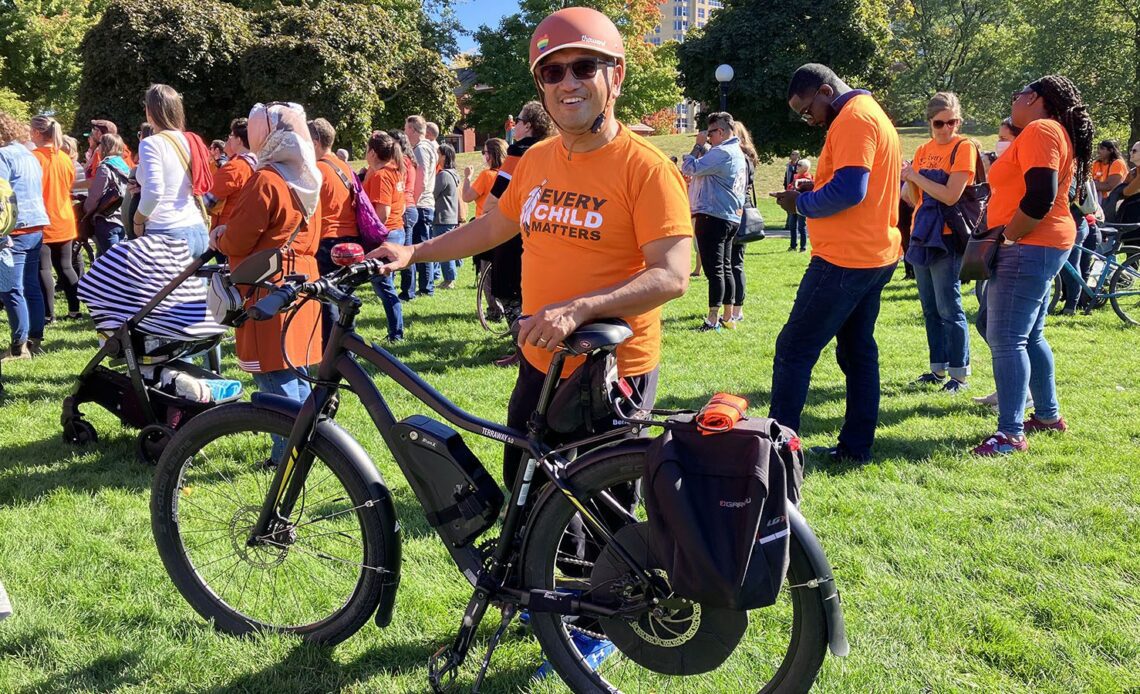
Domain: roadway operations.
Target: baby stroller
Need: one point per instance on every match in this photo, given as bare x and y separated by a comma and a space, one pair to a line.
148, 299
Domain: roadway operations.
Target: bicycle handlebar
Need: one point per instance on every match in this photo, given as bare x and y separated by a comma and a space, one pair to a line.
324, 289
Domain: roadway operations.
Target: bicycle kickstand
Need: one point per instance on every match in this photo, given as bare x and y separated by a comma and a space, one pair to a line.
509, 611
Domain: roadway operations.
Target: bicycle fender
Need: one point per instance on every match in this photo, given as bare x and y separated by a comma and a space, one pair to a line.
828, 590
377, 489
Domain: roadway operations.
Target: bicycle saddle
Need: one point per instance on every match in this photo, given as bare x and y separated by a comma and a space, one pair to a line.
605, 333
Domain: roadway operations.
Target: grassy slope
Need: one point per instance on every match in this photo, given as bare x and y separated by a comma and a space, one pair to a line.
957, 574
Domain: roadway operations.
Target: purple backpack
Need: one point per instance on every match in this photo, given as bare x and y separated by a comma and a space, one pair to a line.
368, 224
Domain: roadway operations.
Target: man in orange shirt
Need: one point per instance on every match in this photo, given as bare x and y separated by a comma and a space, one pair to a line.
852, 218
604, 218
232, 176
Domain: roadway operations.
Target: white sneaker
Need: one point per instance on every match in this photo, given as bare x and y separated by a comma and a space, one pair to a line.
991, 400
5, 604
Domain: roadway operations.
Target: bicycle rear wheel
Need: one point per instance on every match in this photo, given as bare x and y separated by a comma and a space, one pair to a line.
1126, 282
320, 579
775, 649
488, 308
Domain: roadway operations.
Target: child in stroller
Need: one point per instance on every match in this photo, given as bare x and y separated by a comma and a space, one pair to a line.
148, 299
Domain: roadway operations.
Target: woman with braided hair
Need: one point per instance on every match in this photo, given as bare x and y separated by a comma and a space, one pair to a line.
1030, 201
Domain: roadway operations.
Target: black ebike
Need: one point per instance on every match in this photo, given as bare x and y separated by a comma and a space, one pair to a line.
307, 541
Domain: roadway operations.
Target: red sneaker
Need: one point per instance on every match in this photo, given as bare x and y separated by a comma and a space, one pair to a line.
1035, 424
1000, 444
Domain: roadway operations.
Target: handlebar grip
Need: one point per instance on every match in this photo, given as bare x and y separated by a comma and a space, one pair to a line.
515, 327
271, 305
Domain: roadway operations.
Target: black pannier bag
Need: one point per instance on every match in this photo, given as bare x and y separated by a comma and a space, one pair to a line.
717, 507
582, 399
460, 499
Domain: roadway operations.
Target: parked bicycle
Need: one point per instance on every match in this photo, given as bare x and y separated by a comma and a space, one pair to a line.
311, 544
489, 310
1112, 281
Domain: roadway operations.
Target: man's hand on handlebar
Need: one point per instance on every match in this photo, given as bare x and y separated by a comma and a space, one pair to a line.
395, 257
547, 328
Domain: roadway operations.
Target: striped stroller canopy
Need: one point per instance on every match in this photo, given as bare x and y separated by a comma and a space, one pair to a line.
122, 281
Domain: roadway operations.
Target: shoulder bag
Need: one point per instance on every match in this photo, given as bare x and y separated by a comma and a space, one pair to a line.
751, 221
968, 215
368, 224
184, 157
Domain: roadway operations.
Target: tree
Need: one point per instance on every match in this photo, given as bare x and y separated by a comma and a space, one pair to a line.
851, 36
973, 48
192, 46
40, 51
427, 88
503, 62
663, 122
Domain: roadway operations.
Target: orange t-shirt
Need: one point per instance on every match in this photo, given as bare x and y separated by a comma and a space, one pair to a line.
386, 187
482, 186
338, 215
59, 177
409, 184
228, 182
865, 235
1042, 144
584, 222
931, 155
1101, 172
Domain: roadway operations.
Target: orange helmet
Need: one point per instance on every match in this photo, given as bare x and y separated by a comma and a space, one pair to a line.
575, 27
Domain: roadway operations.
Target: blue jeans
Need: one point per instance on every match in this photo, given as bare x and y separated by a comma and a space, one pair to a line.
106, 235
407, 285
425, 272
947, 330
20, 286
799, 226
385, 288
1017, 299
285, 383
1075, 258
843, 303
447, 267
194, 235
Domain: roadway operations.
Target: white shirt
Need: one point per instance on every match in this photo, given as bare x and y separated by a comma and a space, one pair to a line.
426, 155
166, 196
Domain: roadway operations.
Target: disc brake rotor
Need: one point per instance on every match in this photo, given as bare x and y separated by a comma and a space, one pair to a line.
674, 637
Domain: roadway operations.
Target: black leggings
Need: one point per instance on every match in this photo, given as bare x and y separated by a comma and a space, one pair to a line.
59, 256
737, 275
714, 242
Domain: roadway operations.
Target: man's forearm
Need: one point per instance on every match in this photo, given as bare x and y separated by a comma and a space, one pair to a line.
476, 236
645, 291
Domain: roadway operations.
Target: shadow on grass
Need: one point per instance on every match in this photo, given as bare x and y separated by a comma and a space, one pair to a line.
309, 668
115, 467
104, 674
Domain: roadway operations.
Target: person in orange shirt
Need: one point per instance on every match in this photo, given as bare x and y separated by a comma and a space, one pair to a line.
410, 215
278, 208
385, 188
338, 225
604, 219
852, 215
1030, 202
942, 168
1109, 169
232, 176
60, 233
99, 128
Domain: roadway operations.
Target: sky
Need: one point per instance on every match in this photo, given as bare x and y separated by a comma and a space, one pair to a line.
472, 13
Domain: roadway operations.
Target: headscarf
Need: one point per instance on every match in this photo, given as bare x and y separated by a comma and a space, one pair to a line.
279, 134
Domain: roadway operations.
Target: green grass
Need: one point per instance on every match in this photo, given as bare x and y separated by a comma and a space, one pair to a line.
957, 574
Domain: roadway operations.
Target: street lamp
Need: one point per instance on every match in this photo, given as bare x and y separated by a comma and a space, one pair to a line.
724, 75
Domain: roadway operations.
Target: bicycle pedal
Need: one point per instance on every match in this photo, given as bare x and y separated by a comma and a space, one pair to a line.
442, 675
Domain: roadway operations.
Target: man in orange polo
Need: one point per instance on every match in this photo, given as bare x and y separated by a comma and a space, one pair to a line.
852, 216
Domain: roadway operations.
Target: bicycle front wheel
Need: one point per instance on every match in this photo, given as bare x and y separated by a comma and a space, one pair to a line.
776, 649
1125, 290
321, 577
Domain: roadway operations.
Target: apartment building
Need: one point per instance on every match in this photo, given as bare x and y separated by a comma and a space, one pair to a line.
677, 17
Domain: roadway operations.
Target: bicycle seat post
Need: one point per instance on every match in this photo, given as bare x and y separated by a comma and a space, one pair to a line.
537, 423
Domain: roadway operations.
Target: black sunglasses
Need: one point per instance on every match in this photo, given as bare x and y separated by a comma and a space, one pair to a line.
582, 69
1031, 89
939, 124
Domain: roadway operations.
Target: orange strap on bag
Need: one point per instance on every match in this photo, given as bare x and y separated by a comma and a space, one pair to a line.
721, 413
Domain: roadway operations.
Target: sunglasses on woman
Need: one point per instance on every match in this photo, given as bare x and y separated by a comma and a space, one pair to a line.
939, 124
582, 69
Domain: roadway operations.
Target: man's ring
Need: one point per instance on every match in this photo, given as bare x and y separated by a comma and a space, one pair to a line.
542, 340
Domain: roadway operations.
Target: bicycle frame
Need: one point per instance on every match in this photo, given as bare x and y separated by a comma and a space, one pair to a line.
339, 366
1106, 273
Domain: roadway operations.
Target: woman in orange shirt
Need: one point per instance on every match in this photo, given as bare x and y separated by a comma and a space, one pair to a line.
934, 251
1109, 169
60, 233
281, 200
385, 186
1030, 202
